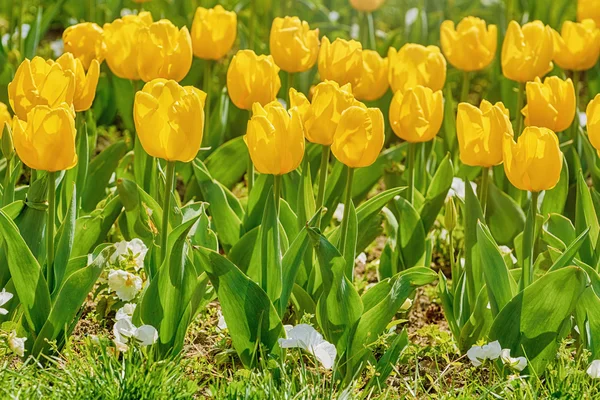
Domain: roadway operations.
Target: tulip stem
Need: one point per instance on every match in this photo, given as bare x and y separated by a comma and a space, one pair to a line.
520, 101
206, 86
6, 196
50, 225
290, 84
371, 25
277, 192
575, 126
466, 84
529, 242
412, 147
250, 168
322, 180
344, 227
252, 23
483, 193
169, 184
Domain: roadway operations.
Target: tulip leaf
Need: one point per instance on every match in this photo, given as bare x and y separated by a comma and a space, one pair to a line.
473, 268
124, 96
250, 316
228, 162
336, 182
505, 218
531, 325
447, 304
588, 320
411, 236
386, 363
366, 178
586, 217
306, 196
257, 200
270, 252
91, 230
65, 237
478, 323
436, 193
556, 198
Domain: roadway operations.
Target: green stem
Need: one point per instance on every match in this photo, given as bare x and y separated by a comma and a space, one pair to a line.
483, 190
322, 180
529, 242
466, 83
250, 167
252, 24
169, 184
575, 125
277, 192
347, 204
289, 85
453, 265
6, 198
520, 102
371, 25
20, 40
412, 148
50, 224
206, 87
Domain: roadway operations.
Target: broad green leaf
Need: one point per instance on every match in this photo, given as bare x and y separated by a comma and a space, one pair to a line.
505, 218
436, 193
386, 363
306, 196
555, 199
65, 237
91, 230
473, 269
228, 162
586, 217
270, 259
411, 236
478, 323
100, 170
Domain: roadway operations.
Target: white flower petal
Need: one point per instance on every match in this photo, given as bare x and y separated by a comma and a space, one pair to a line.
594, 369
146, 335
305, 337
16, 344
126, 311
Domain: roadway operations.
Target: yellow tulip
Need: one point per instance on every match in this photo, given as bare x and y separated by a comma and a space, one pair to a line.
593, 122
588, 9
122, 38
36, 82
85, 41
527, 52
373, 82
577, 47
164, 51
4, 117
275, 138
415, 65
359, 136
321, 117
533, 162
169, 119
416, 116
85, 84
252, 79
480, 132
46, 141
366, 5
550, 104
294, 46
340, 61
213, 32
471, 46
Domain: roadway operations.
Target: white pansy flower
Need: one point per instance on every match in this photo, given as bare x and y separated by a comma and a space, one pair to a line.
126, 311
129, 253
125, 284
221, 324
4, 298
16, 344
594, 369
479, 354
305, 337
124, 331
516, 363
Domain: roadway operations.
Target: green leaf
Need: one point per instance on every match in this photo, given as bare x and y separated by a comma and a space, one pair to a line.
555, 199
65, 238
100, 170
256, 201
411, 236
91, 230
478, 323
270, 254
571, 251
386, 363
505, 218
473, 269
586, 217
228, 162
306, 197
436, 193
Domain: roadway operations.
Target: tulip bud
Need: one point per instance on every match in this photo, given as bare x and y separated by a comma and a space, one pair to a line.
577, 47
527, 52
275, 139
294, 46
359, 136
122, 38
415, 65
169, 119
252, 79
340, 61
46, 140
416, 116
321, 117
37, 82
588, 9
85, 84
534, 162
450, 214
8, 147
551, 104
480, 132
593, 122
85, 41
213, 32
366, 5
164, 51
471, 46
373, 82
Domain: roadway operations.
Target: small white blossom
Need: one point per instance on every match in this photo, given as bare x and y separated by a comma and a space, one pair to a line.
4, 298
458, 188
516, 363
221, 324
361, 258
305, 337
129, 253
125, 284
126, 311
16, 344
338, 214
479, 354
124, 330
594, 369
505, 250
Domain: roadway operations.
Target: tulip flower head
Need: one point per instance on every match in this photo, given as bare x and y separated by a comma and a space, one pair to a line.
359, 136
85, 41
415, 65
527, 51
252, 79
322, 116
46, 139
169, 119
471, 45
373, 82
340, 61
122, 38
534, 162
366, 5
416, 116
213, 32
5, 117
593, 122
550, 104
588, 9
480, 133
37, 82
577, 47
294, 46
85, 84
164, 51
275, 138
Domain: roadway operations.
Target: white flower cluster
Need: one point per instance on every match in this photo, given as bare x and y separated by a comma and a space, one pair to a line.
305, 337
126, 332
491, 351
